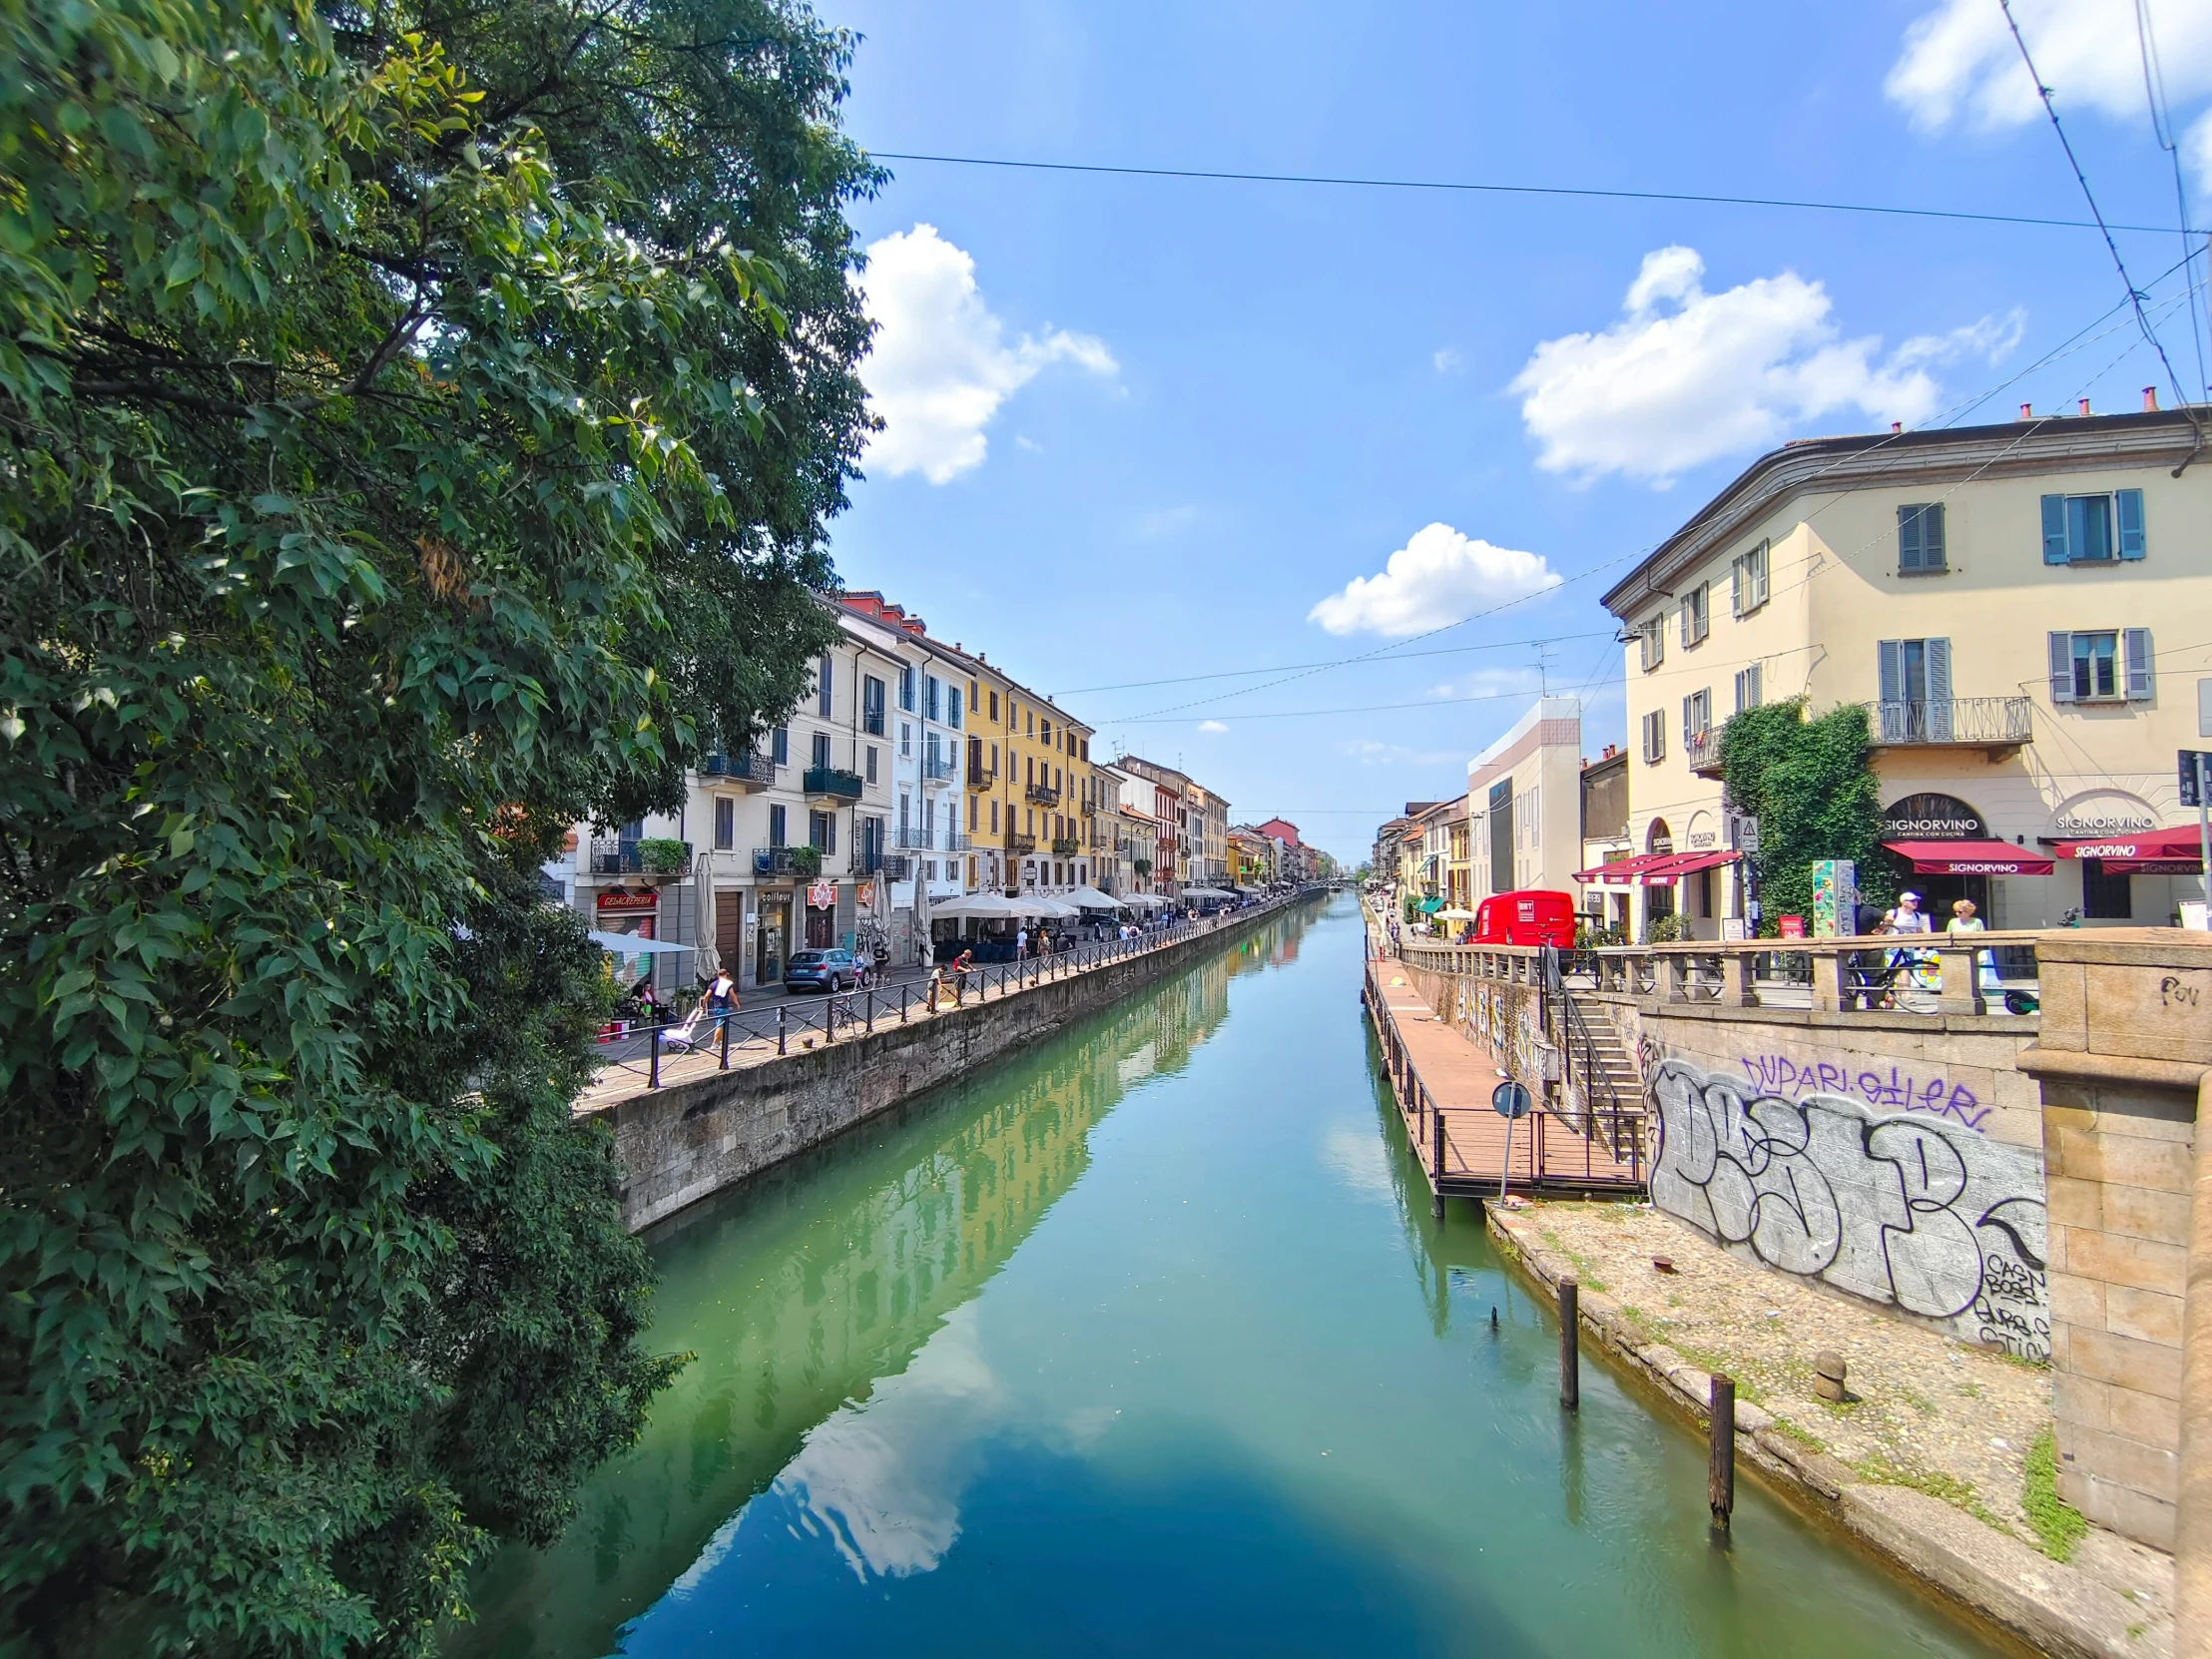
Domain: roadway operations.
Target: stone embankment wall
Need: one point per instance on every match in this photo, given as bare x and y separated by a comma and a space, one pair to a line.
686, 1142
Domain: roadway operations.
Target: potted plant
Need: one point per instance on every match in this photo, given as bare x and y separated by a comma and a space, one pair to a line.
1143, 867
807, 861
662, 855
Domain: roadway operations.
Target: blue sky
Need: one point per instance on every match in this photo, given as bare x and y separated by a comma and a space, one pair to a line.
1141, 428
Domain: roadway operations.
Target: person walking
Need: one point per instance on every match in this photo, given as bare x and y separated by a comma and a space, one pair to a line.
1021, 943
722, 999
1965, 920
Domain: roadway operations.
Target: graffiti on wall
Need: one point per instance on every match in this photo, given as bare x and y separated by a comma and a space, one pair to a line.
1895, 1091
1910, 1209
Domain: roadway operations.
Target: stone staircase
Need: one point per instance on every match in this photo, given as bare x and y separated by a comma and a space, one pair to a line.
1605, 1078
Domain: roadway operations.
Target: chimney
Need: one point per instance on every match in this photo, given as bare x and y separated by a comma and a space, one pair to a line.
2150, 400
2028, 411
2085, 405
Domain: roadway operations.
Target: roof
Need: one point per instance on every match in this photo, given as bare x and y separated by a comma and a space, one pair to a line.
872, 606
2012, 449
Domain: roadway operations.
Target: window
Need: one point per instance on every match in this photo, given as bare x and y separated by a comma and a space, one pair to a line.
1696, 615
994, 706
777, 831
871, 763
822, 831
781, 745
1029, 768
871, 705
1746, 581
1032, 723
726, 823
994, 760
995, 815
2101, 667
1915, 670
1044, 733
975, 802
952, 707
905, 738
1086, 747
1920, 539
824, 679
906, 689
1652, 635
2092, 529
1697, 717
931, 705
2105, 897
905, 814
1655, 737
871, 839
821, 751
1750, 686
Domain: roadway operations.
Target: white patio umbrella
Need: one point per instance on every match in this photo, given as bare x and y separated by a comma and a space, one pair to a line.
1090, 899
703, 917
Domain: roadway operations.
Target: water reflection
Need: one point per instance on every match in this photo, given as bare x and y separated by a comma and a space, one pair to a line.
822, 1302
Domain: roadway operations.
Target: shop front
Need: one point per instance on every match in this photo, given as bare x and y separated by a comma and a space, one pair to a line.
771, 935
1949, 853
636, 913
822, 915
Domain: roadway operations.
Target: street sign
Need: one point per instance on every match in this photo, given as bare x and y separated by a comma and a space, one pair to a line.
1511, 1100
1742, 833
2190, 759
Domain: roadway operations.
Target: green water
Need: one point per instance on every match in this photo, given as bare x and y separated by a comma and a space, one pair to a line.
1144, 1342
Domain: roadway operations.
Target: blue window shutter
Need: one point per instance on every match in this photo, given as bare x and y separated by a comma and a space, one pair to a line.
1908, 538
2054, 531
1939, 671
1931, 537
1892, 671
2130, 506
2135, 649
2061, 665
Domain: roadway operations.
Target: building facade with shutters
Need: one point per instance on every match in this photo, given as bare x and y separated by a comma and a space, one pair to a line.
2019, 608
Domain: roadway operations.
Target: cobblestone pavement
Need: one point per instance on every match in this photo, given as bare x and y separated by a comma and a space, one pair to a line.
1923, 1411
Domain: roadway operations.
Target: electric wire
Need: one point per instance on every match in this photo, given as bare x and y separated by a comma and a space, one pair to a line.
2135, 297
2162, 128
1487, 188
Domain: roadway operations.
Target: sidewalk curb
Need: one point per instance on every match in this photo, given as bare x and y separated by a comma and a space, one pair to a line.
2055, 1606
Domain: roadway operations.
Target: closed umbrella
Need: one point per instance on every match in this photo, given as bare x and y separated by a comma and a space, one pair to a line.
702, 917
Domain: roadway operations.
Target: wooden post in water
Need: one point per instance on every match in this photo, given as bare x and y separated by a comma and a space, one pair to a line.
1571, 1343
1720, 1479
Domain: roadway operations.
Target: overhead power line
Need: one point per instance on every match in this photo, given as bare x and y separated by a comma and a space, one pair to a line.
2162, 127
1473, 186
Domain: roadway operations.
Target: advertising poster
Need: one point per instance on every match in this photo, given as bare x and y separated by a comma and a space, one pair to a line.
1835, 899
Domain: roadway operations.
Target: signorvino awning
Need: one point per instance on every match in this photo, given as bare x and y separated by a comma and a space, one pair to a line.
2147, 843
1971, 857
1656, 870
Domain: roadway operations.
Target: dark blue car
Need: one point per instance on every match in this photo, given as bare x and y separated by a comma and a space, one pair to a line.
822, 971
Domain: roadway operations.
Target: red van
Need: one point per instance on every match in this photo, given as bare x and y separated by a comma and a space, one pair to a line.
1535, 917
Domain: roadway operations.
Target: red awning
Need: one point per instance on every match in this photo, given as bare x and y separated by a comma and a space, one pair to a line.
1654, 869
2148, 843
1970, 858
2154, 867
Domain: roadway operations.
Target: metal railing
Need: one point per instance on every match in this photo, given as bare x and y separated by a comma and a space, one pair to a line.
835, 782
1019, 845
756, 768
783, 861
954, 841
1701, 749
914, 838
1064, 846
1962, 720
642, 1048
623, 858
1041, 795
940, 768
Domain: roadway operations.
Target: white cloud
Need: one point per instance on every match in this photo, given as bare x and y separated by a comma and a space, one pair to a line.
1212, 726
1959, 62
939, 368
1449, 361
1438, 577
1164, 522
1687, 377
2196, 154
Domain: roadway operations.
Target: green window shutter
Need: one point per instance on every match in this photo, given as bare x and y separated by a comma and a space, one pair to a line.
2061, 665
1908, 538
2129, 507
2054, 531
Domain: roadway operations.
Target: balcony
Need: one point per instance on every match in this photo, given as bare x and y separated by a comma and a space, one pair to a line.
981, 773
2000, 724
913, 838
1701, 749
892, 866
954, 841
1063, 846
832, 784
942, 768
651, 856
754, 772
1041, 795
786, 860
1019, 845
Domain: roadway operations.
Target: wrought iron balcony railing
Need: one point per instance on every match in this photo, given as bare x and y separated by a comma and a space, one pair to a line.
1701, 749
833, 784
1042, 794
940, 768
1064, 846
1019, 845
1976, 722
647, 857
913, 838
755, 770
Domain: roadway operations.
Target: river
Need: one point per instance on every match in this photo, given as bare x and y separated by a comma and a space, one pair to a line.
1144, 1341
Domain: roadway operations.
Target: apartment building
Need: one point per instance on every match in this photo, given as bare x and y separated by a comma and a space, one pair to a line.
1171, 859
1524, 805
2009, 603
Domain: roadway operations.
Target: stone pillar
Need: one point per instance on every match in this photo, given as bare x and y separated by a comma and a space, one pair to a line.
2124, 1044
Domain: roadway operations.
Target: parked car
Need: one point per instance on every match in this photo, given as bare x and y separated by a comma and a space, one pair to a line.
1531, 916
822, 971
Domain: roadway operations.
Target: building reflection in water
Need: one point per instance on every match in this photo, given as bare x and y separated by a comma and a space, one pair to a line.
834, 1281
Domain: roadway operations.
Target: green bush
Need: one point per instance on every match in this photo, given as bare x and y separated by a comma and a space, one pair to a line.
1811, 784
663, 855
807, 861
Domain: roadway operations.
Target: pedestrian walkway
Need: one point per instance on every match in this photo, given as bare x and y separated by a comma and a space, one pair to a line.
1444, 1081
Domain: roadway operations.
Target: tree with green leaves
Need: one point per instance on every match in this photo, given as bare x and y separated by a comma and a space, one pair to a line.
1811, 784
420, 426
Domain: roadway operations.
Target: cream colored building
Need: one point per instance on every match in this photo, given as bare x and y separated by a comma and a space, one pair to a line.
2019, 607
1524, 802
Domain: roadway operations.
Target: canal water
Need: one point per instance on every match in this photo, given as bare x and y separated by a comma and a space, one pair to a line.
1145, 1341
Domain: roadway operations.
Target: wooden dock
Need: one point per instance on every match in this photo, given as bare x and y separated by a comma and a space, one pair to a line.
1442, 1079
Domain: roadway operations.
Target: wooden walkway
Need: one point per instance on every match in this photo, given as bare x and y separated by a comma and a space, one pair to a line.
1441, 1076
